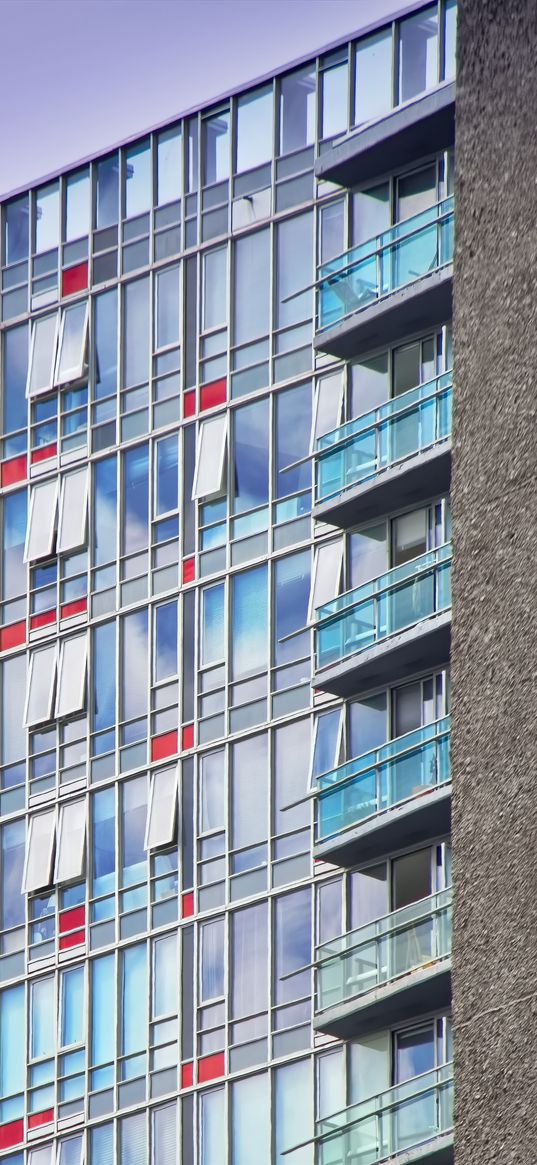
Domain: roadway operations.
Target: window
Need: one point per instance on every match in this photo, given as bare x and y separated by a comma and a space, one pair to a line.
251, 435
107, 172
294, 269
327, 743
212, 625
137, 179
73, 510
167, 312
168, 166
77, 205
250, 1125
249, 623
335, 100
297, 110
136, 326
71, 842
16, 221
216, 159
71, 360
418, 53
162, 809
47, 217
251, 301
39, 851
214, 289
41, 682
326, 575
209, 471
71, 694
373, 93
254, 129
327, 410
42, 355
41, 521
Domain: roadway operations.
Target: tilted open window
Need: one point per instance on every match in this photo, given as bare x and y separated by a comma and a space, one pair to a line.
58, 349
72, 521
211, 457
37, 871
162, 808
71, 842
41, 528
326, 577
71, 690
71, 360
40, 686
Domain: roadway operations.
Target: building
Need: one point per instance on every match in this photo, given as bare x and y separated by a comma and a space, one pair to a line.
225, 780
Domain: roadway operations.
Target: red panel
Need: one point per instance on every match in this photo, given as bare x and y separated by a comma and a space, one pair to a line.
189, 404
11, 1134
187, 1075
13, 635
213, 394
209, 1067
76, 608
76, 916
75, 279
14, 470
187, 904
72, 940
165, 745
43, 453
42, 620
40, 1118
189, 570
187, 738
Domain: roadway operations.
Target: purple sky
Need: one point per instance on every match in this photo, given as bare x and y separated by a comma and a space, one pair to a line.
79, 75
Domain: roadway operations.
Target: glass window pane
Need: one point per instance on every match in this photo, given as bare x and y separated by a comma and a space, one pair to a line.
368, 554
164, 1135
251, 300
136, 342
368, 725
14, 406
47, 217
327, 743
416, 192
374, 90
249, 790
12, 1047
134, 665
102, 1143
138, 179
249, 622
249, 985
290, 776
107, 191
104, 841
14, 530
212, 1126
132, 830
77, 205
40, 843
450, 39
210, 457
167, 475
71, 361
212, 792
293, 946
297, 110
136, 499
249, 1118
216, 156
335, 118
70, 1151
165, 976
133, 997
370, 384
41, 521
371, 213
332, 228
215, 288
133, 1140
293, 425
17, 220
409, 536
12, 900
72, 1007
294, 1111
105, 510
169, 166
254, 129
212, 939
418, 53
71, 843
212, 625
167, 314
13, 735
162, 808
251, 436
328, 405
294, 269
326, 575
165, 647
43, 352
105, 322
73, 510
291, 595
42, 1018
103, 995
41, 681
71, 694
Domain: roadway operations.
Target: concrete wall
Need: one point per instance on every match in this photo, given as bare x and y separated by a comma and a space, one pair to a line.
495, 585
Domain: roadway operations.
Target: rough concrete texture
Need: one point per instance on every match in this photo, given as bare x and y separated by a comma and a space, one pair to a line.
495, 585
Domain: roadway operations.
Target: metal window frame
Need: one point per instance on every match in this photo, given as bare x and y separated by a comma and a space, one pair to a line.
321, 551
39, 487
169, 777
52, 651
47, 872
221, 421
66, 504
41, 389
78, 370
80, 661
69, 813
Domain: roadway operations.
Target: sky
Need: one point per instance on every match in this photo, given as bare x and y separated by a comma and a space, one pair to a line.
77, 76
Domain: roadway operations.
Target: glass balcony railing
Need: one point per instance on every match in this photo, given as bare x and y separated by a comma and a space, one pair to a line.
397, 1120
371, 613
364, 447
380, 952
377, 781
367, 273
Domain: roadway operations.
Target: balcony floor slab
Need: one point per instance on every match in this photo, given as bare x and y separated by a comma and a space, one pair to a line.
422, 647
422, 819
425, 989
424, 475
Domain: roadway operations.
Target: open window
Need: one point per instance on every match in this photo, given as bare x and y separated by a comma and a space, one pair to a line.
326, 577
71, 690
327, 407
40, 686
327, 743
71, 361
58, 349
71, 842
162, 808
42, 355
37, 871
72, 520
41, 527
210, 459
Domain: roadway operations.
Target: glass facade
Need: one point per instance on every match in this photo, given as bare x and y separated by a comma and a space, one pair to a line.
170, 770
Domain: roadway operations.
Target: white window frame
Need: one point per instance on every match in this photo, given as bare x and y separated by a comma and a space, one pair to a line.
312, 778
77, 371
72, 499
323, 385
156, 834
36, 525
50, 651
70, 842
74, 656
215, 483
44, 879
42, 388
322, 552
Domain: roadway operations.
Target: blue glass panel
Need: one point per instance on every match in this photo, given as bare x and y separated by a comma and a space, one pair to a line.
12, 1050
212, 959
42, 1018
293, 427
133, 997
165, 658
250, 1118
15, 406
13, 839
104, 841
103, 1018
249, 622
251, 437
104, 676
13, 568
292, 588
134, 665
138, 178
212, 631
136, 498
133, 820
107, 191
17, 220
136, 325
105, 511
167, 475
105, 307
72, 1004
212, 1126
13, 673
165, 976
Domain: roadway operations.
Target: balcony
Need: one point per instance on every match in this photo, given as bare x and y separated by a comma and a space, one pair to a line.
398, 283
412, 131
386, 971
394, 797
396, 456
387, 629
409, 1122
